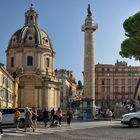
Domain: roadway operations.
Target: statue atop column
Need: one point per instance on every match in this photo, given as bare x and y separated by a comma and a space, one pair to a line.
89, 10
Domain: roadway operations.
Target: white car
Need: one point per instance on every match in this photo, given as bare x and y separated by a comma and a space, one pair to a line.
8, 116
131, 119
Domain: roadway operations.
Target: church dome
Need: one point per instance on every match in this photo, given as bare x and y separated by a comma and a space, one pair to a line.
30, 49
30, 35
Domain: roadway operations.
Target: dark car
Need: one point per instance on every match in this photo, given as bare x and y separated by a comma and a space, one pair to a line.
40, 115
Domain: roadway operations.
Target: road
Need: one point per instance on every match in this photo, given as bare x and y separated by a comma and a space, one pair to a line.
92, 130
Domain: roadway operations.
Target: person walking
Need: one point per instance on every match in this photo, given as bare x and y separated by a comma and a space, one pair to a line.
1, 131
53, 118
34, 117
45, 117
17, 118
110, 114
28, 119
69, 116
52, 114
59, 116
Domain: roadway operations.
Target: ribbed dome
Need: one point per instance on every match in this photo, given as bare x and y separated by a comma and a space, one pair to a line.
30, 35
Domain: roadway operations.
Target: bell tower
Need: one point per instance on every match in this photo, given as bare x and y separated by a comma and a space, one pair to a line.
89, 28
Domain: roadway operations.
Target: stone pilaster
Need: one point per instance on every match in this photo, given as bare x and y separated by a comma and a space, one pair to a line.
39, 98
36, 96
45, 98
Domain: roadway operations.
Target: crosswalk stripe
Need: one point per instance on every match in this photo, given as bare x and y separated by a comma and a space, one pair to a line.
15, 134
36, 133
7, 130
46, 131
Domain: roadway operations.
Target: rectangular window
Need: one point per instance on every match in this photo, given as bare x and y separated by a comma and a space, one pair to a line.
116, 81
108, 81
1, 79
47, 62
108, 90
129, 81
103, 82
108, 69
12, 62
116, 89
103, 69
123, 89
123, 82
29, 60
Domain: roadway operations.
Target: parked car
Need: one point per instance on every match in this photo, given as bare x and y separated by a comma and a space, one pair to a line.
131, 119
8, 116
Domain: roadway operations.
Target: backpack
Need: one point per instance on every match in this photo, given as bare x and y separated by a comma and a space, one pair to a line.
110, 113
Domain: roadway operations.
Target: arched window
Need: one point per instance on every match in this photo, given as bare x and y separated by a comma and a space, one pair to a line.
31, 19
29, 60
47, 62
12, 61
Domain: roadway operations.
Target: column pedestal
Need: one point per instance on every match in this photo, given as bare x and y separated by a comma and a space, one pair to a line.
88, 109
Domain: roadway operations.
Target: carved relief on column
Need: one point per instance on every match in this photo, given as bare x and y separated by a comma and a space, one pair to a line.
89, 28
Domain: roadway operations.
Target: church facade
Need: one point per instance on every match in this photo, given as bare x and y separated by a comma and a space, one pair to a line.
30, 59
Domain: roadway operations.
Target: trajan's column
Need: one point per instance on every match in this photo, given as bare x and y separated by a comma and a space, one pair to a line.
89, 68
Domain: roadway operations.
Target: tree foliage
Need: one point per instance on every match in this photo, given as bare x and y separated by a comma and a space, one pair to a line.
130, 47
79, 86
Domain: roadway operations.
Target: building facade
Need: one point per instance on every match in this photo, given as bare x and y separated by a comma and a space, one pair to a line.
8, 89
67, 88
115, 83
30, 59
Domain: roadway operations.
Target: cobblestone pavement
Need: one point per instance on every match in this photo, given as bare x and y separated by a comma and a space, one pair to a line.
96, 130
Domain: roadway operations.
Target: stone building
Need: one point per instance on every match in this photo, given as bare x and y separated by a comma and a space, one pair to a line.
67, 88
8, 89
115, 83
30, 59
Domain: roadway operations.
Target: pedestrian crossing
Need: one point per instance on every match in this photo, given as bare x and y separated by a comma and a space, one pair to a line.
39, 131
64, 128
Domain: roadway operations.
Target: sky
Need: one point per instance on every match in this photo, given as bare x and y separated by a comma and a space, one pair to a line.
62, 20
